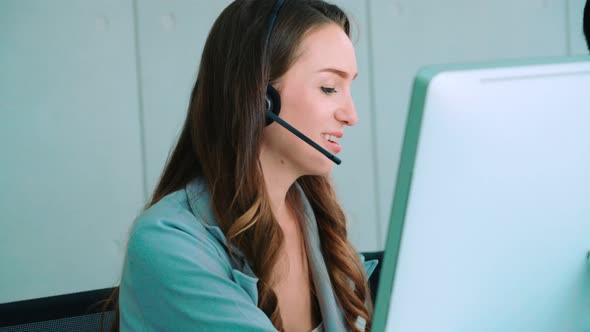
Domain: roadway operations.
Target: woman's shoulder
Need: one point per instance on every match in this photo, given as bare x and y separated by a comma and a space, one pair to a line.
172, 226
177, 275
170, 214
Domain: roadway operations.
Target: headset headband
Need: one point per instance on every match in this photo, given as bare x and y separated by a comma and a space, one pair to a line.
271, 21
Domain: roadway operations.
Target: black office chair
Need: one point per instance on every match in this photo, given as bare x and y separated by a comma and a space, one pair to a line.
82, 312
374, 278
78, 312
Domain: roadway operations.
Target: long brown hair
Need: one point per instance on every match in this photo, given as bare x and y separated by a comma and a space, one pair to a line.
221, 140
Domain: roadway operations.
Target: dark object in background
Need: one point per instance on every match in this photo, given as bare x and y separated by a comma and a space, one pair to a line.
374, 278
587, 23
78, 312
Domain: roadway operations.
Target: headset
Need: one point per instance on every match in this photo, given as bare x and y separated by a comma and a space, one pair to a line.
273, 99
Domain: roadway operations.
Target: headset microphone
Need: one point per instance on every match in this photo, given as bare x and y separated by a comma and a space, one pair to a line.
273, 107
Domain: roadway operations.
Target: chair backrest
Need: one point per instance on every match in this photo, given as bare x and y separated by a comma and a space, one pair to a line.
78, 312
374, 278
82, 312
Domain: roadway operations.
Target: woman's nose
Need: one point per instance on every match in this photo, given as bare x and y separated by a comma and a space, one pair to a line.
347, 113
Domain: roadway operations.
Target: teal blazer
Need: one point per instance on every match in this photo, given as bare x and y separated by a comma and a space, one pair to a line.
178, 276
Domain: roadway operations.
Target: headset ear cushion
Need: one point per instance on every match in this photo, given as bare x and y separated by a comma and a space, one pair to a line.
272, 102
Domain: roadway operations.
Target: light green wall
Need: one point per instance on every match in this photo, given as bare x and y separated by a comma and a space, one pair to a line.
93, 95
71, 163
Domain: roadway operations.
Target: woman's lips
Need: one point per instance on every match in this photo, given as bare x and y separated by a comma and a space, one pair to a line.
331, 141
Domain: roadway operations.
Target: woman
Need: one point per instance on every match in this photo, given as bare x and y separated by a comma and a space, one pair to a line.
244, 231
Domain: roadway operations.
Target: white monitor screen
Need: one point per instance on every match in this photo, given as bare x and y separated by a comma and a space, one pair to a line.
490, 224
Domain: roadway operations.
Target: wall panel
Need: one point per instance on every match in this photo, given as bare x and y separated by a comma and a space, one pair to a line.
71, 173
171, 36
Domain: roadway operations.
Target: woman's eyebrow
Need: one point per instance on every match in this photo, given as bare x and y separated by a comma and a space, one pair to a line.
338, 72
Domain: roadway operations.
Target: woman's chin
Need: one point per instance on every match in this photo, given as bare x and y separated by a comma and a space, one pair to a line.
323, 168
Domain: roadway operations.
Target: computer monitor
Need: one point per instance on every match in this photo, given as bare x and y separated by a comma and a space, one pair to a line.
490, 223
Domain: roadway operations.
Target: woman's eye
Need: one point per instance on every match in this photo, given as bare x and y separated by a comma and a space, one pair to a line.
328, 91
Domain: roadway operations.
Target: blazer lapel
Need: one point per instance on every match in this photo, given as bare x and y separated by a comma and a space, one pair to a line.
332, 317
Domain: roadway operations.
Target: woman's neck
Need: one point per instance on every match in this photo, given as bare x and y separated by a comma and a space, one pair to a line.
278, 179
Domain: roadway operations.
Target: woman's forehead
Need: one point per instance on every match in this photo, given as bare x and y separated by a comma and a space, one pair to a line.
327, 49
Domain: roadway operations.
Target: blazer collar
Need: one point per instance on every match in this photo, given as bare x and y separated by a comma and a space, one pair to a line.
199, 199
332, 317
